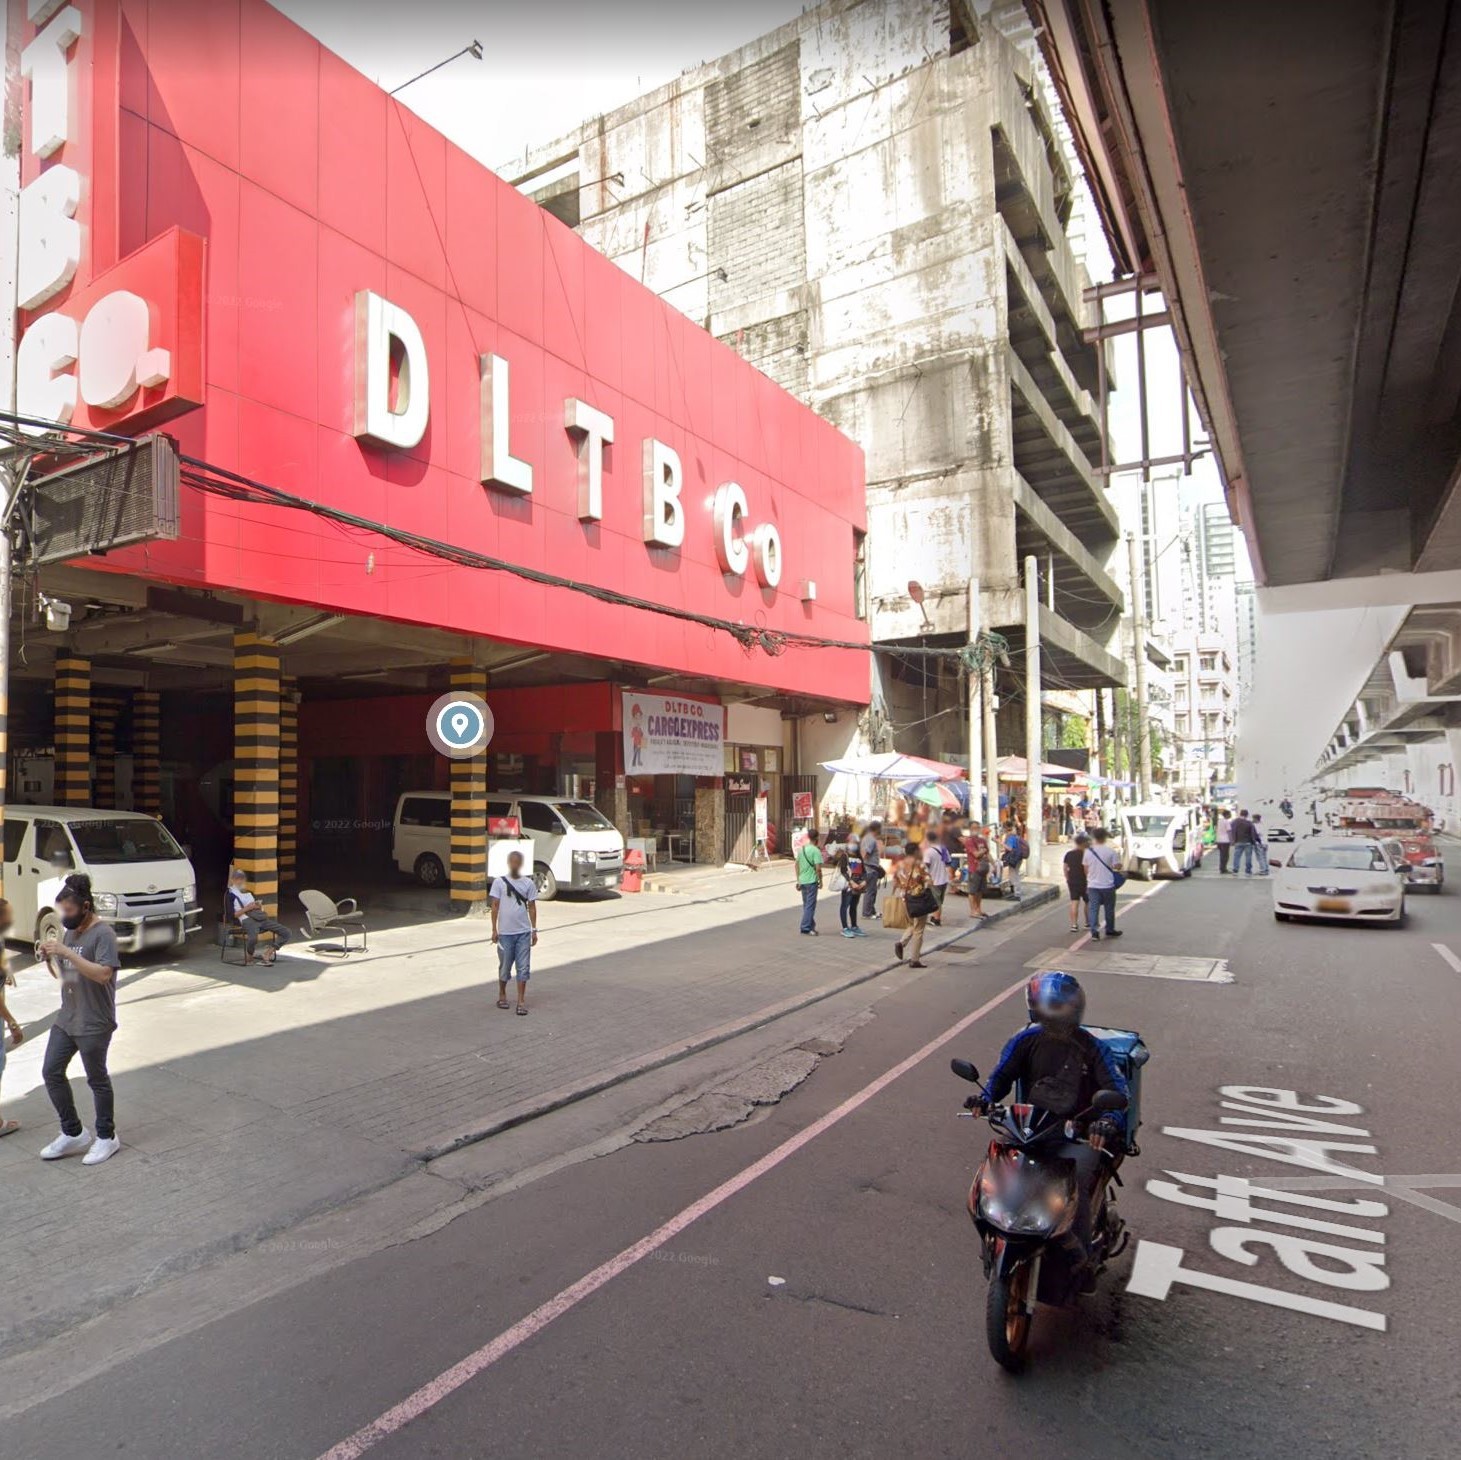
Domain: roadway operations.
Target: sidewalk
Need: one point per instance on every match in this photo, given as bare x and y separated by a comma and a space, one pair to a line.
250, 1099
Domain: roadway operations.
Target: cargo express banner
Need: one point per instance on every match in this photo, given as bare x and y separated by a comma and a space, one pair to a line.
666, 735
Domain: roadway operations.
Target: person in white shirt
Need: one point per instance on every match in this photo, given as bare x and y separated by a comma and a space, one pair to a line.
936, 859
1224, 839
1101, 863
514, 929
253, 917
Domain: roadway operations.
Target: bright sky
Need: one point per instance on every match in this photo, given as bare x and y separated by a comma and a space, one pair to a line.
545, 67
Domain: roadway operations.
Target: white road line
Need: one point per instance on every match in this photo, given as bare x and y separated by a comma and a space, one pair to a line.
1123, 908
435, 1390
1450, 957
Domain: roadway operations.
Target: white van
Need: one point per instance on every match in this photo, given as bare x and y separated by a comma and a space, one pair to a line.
574, 845
142, 880
1160, 841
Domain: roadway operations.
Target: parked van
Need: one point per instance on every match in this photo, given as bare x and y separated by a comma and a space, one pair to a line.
143, 882
1160, 841
574, 845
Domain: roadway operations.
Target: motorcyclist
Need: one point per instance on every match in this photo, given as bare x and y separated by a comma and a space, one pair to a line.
1059, 1067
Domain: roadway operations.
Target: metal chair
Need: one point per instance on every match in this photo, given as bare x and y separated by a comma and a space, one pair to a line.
324, 916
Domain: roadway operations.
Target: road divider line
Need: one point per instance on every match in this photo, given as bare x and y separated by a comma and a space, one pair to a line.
1450, 957
430, 1394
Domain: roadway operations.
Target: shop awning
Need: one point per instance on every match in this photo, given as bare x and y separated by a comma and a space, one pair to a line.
1014, 768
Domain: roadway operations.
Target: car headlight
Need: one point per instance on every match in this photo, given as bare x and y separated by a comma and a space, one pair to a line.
105, 902
190, 892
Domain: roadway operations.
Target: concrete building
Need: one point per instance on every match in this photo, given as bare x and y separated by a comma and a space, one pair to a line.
1204, 709
872, 205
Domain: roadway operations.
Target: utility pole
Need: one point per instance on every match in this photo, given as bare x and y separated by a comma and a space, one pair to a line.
1034, 751
976, 710
1141, 729
991, 750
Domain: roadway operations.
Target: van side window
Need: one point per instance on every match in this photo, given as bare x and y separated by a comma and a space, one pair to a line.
14, 835
51, 838
538, 817
425, 811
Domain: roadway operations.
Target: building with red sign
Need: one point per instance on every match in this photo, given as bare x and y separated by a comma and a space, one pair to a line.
430, 438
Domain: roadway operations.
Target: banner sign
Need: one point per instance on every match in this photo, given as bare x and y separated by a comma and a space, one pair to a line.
668, 735
801, 805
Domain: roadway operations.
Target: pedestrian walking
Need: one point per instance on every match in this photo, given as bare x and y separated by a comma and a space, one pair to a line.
809, 883
12, 1026
85, 961
910, 882
253, 917
1101, 864
849, 880
978, 865
938, 862
1260, 844
1067, 818
514, 901
1016, 849
1224, 839
871, 847
1240, 834
1075, 879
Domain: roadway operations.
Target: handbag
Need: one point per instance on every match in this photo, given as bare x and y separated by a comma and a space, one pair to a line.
837, 882
895, 912
921, 904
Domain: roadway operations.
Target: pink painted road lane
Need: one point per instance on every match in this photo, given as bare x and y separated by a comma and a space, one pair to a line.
432, 1393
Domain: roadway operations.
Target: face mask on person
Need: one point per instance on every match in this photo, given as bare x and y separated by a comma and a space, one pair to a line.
72, 921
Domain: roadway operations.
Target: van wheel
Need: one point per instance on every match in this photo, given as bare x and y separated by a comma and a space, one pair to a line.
48, 927
429, 871
547, 882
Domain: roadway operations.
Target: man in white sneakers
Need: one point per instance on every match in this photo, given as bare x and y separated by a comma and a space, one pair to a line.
86, 962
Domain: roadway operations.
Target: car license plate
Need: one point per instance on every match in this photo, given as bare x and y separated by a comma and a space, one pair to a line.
1332, 905
156, 934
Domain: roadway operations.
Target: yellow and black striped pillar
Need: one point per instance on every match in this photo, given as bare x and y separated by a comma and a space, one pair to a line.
288, 781
256, 764
146, 752
469, 809
73, 731
105, 712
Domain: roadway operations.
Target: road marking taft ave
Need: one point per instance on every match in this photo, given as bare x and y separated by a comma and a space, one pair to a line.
435, 1390
1450, 957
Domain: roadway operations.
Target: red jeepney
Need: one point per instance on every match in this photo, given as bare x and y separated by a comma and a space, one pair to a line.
1389, 815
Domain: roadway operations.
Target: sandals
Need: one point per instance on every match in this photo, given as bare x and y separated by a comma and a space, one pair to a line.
9, 1127
522, 1008
503, 1004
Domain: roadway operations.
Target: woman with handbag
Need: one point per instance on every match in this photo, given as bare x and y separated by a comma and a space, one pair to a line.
911, 881
849, 877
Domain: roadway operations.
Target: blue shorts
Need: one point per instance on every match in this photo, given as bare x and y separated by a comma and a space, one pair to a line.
514, 949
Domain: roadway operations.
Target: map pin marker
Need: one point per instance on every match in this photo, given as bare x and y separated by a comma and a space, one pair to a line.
460, 722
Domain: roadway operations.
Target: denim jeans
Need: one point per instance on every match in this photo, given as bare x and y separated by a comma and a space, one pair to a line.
870, 897
809, 891
93, 1051
1096, 899
514, 948
847, 912
1261, 851
256, 924
1243, 858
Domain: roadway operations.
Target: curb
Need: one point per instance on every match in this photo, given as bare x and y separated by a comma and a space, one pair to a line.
655, 1059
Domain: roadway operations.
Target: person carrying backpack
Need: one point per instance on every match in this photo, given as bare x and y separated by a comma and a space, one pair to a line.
1016, 851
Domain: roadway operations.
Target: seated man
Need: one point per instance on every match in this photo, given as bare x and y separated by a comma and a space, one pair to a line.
254, 917
1059, 1067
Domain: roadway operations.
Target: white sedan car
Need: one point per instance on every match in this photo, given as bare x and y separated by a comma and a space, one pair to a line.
1349, 877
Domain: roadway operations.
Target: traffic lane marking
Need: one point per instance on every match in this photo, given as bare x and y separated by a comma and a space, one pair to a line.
1450, 957
430, 1394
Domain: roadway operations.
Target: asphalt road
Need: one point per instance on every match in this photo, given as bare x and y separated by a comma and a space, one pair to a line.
871, 1342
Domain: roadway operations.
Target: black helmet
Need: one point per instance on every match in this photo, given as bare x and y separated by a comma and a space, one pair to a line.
1056, 1001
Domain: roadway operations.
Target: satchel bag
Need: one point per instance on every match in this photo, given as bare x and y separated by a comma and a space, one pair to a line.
895, 912
921, 904
837, 882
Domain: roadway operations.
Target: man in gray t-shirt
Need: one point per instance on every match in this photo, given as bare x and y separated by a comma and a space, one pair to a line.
85, 961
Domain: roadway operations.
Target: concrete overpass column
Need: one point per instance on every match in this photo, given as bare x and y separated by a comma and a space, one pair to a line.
73, 730
104, 716
146, 745
469, 809
288, 780
256, 758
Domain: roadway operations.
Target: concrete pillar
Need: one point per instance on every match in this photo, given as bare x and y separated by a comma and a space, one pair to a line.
1034, 750
73, 730
146, 752
976, 708
105, 713
256, 760
288, 780
710, 823
469, 810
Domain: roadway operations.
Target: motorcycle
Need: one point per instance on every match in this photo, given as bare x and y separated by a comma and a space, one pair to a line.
1023, 1203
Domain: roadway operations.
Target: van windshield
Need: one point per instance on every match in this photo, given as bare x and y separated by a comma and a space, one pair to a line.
1149, 825
583, 816
128, 839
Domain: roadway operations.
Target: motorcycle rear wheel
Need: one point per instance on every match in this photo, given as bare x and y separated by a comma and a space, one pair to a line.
1007, 1321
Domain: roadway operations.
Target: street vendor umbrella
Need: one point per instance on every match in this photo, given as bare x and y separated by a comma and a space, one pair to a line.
891, 765
1014, 768
945, 795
